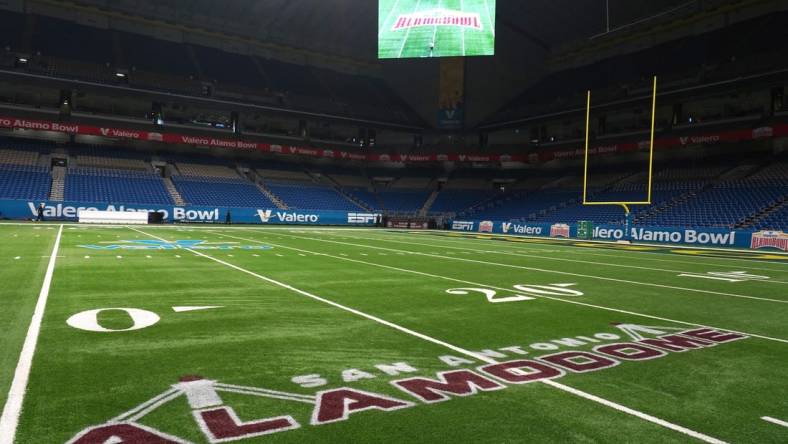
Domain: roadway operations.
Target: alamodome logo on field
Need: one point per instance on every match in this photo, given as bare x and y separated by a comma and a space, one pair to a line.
174, 245
438, 17
211, 402
773, 239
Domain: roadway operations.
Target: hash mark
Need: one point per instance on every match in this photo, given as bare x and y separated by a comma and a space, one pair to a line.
774, 421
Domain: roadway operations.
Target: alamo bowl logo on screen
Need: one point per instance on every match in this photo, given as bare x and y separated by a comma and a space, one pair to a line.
438, 17
769, 239
559, 230
486, 226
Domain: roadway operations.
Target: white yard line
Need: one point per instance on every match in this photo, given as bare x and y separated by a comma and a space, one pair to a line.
385, 25
774, 421
477, 284
16, 395
543, 270
530, 255
478, 356
489, 18
407, 33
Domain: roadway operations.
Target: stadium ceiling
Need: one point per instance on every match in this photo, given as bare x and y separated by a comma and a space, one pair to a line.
348, 28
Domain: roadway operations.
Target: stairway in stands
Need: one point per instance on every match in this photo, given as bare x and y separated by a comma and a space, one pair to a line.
58, 187
678, 200
280, 204
176, 196
325, 179
753, 220
258, 182
428, 204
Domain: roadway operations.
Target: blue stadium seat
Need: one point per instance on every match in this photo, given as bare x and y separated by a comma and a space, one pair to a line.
216, 191
24, 182
310, 196
115, 186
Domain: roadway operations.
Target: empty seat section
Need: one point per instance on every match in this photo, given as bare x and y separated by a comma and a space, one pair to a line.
310, 196
115, 186
24, 182
455, 201
216, 191
406, 201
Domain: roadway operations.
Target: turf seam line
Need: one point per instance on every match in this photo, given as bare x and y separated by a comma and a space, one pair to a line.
529, 255
16, 394
585, 304
478, 356
542, 270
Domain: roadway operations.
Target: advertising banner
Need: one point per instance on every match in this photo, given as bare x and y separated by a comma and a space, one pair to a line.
699, 237
67, 211
544, 155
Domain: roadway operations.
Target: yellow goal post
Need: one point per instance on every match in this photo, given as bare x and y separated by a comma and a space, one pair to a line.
650, 155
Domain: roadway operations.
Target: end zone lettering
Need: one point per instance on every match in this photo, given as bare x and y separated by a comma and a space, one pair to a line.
438, 17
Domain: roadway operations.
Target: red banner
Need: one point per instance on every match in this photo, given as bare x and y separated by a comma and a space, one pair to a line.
542, 156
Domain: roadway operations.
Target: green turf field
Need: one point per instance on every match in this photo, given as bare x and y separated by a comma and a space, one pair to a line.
415, 40
299, 335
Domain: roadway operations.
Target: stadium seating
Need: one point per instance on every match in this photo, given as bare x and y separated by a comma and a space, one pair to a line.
14, 157
710, 195
776, 220
402, 200
115, 186
201, 170
365, 195
450, 200
217, 191
24, 182
723, 205
310, 196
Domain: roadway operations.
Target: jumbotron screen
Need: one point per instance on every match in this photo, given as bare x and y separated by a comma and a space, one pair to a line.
435, 28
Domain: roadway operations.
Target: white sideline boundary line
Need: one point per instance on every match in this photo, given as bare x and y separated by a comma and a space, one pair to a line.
480, 357
774, 421
477, 284
258, 227
542, 270
644, 255
535, 256
605, 242
16, 394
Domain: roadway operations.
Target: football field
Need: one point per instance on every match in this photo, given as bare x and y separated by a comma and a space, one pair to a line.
205, 334
401, 36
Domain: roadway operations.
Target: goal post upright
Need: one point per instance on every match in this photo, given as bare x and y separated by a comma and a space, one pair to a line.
650, 155
625, 205
651, 141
